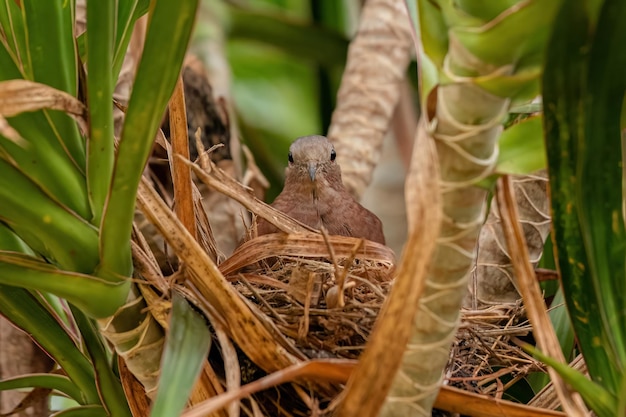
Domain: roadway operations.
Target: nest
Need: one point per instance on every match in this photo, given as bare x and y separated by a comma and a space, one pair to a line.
486, 357
323, 293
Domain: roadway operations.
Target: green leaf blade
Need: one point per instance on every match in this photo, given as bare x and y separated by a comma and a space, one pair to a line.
12, 20
601, 165
47, 227
59, 383
45, 161
109, 385
52, 51
85, 411
51, 43
95, 296
165, 50
128, 11
580, 138
521, 148
597, 397
100, 42
517, 35
25, 311
186, 348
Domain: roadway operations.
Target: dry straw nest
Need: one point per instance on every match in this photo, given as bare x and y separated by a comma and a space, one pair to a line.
322, 295
296, 282
486, 356
321, 292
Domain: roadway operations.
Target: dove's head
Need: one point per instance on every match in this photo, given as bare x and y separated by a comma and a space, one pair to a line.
312, 158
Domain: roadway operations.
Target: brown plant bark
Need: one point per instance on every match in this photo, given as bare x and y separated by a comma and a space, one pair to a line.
19, 355
370, 89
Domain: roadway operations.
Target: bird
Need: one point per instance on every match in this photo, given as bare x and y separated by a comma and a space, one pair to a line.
314, 194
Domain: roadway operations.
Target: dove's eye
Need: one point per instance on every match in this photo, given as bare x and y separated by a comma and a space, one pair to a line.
333, 155
290, 157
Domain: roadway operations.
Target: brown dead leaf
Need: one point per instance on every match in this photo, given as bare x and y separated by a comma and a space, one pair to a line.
533, 299
19, 96
369, 384
456, 400
332, 370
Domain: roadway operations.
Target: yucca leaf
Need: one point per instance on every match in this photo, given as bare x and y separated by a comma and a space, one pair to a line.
11, 65
428, 22
503, 55
565, 334
21, 308
12, 20
51, 47
562, 325
598, 398
601, 168
59, 383
46, 163
8, 38
517, 35
521, 86
109, 385
186, 348
521, 148
433, 30
9, 241
47, 227
583, 89
44, 158
527, 108
100, 44
50, 34
84, 411
128, 11
166, 42
487, 10
97, 297
456, 17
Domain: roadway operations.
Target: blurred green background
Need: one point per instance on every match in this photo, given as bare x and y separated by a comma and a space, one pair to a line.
285, 58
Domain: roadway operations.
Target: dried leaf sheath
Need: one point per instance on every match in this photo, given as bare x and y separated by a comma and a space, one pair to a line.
544, 333
493, 280
244, 328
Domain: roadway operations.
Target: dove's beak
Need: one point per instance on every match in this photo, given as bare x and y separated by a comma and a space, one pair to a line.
312, 170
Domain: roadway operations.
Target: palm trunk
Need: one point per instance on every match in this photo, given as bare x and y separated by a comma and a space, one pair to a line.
467, 153
471, 58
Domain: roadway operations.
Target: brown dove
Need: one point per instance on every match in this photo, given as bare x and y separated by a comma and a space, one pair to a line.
314, 194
